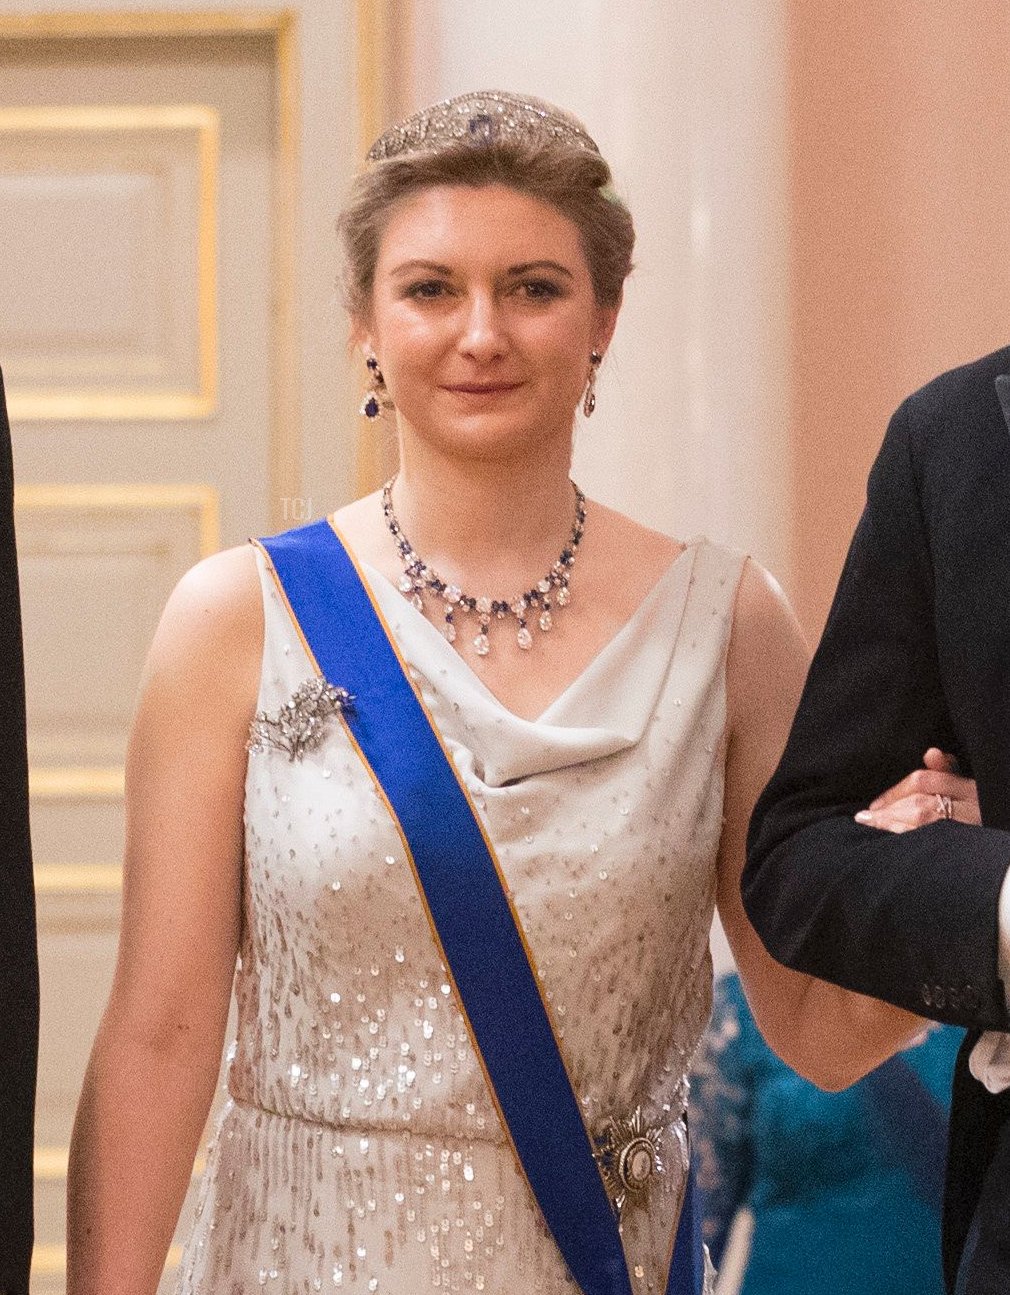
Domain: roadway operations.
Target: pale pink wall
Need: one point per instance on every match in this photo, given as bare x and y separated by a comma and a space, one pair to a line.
900, 260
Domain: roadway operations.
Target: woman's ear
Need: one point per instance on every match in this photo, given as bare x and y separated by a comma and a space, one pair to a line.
360, 337
606, 323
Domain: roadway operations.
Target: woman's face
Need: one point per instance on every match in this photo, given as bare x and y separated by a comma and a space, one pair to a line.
483, 319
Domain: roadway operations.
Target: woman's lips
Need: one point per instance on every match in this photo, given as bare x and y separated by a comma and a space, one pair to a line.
482, 388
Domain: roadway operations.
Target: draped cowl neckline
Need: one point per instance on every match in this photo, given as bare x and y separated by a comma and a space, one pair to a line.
603, 710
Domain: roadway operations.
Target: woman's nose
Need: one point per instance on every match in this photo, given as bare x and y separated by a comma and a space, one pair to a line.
483, 334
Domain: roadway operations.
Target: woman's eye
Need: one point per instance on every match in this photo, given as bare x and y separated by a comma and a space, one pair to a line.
427, 289
540, 289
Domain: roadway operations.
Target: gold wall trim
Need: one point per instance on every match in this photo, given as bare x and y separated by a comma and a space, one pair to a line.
69, 25
51, 1261
76, 782
197, 497
384, 57
98, 117
106, 406
51, 1164
372, 39
385, 79
78, 879
109, 404
371, 34
282, 26
286, 443
209, 145
90, 782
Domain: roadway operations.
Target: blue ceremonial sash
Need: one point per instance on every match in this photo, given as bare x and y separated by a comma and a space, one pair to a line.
469, 907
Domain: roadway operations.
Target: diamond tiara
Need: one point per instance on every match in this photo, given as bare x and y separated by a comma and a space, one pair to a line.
480, 118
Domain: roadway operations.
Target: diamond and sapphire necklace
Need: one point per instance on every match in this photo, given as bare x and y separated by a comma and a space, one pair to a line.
537, 604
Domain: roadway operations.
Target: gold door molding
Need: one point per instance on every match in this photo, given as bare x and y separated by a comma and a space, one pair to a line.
67, 887
121, 122
197, 498
75, 782
51, 1261
385, 30
51, 1164
78, 880
281, 26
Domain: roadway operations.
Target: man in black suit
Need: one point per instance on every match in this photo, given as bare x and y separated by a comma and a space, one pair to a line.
19, 973
916, 653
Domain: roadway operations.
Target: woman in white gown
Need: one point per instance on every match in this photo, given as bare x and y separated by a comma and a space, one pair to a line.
612, 731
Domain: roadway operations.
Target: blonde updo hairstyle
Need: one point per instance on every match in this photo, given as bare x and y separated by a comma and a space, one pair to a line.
576, 181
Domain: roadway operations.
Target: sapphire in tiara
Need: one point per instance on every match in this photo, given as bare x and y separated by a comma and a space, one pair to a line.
483, 128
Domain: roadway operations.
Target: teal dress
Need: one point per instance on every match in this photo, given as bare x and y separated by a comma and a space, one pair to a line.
844, 1187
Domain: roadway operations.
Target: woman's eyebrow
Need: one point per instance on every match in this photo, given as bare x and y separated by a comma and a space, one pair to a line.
417, 264
527, 266
514, 271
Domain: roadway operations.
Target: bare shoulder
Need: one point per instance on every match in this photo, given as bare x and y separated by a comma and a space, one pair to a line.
361, 521
621, 560
225, 586
768, 653
761, 604
362, 525
614, 525
359, 512
211, 632
629, 542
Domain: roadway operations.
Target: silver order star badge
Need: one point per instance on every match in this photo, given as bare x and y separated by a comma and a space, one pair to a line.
627, 1151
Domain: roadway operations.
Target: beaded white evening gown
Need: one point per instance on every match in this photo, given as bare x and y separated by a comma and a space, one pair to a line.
359, 1149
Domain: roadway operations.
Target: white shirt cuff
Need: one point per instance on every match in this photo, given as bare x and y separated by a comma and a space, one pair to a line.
990, 1058
1003, 946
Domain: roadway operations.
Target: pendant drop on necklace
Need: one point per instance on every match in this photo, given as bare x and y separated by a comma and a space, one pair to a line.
419, 578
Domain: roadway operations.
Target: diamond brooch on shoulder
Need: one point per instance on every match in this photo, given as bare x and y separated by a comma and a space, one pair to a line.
300, 724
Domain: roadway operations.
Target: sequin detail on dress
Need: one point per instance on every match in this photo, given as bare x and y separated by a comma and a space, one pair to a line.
300, 725
359, 1149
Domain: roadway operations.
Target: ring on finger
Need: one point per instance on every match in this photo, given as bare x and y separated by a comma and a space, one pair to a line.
944, 806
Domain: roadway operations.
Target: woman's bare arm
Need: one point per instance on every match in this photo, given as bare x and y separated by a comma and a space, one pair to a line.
830, 1035
151, 1076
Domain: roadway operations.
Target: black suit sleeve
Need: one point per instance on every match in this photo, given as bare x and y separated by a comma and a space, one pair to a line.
19, 987
912, 918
